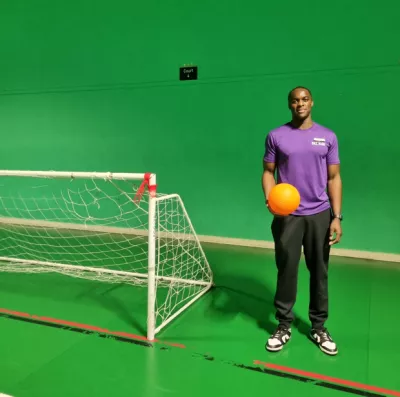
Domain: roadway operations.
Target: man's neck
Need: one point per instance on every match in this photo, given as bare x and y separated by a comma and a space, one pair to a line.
302, 124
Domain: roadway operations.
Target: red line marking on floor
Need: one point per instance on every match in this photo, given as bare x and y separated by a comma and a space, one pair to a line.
130, 336
14, 313
86, 326
330, 379
70, 324
179, 345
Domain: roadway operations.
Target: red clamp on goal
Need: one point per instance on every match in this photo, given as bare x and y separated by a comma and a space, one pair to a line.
146, 183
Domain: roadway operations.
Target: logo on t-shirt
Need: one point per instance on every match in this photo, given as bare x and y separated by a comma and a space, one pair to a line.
318, 142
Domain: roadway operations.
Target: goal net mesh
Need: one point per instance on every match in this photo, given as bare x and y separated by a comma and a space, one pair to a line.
94, 229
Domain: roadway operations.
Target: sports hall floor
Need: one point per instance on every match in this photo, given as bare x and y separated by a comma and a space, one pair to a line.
65, 337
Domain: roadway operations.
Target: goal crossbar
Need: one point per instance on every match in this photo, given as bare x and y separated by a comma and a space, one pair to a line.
75, 175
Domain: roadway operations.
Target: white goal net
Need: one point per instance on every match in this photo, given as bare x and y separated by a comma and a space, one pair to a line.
108, 227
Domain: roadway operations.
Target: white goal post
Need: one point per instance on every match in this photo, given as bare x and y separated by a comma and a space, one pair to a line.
111, 227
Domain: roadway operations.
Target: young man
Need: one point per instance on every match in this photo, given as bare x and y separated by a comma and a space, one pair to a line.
306, 155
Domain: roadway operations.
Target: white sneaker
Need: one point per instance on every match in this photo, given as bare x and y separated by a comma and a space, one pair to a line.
324, 340
278, 339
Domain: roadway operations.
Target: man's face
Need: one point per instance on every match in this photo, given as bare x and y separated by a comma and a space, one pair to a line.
300, 104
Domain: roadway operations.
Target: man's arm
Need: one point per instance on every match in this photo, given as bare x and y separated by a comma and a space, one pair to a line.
335, 188
335, 196
268, 178
269, 164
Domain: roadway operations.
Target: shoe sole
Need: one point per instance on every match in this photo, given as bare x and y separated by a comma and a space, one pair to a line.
321, 348
329, 352
274, 349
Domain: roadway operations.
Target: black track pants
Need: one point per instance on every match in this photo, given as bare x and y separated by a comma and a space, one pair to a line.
290, 234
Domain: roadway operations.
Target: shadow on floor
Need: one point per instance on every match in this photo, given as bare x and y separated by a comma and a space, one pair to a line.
250, 297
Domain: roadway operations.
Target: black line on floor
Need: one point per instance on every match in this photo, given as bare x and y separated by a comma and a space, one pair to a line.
78, 330
358, 392
298, 378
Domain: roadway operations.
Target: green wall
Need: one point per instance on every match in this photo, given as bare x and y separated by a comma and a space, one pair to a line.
93, 86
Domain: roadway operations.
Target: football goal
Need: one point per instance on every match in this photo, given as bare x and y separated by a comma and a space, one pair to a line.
110, 227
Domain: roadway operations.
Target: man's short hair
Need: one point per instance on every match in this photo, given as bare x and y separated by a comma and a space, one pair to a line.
296, 88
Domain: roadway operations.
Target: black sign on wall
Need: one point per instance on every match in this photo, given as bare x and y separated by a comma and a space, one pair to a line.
188, 73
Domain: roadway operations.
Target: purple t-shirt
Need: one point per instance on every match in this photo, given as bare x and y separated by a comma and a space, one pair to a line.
302, 158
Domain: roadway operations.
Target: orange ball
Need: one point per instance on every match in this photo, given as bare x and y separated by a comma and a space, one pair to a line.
283, 199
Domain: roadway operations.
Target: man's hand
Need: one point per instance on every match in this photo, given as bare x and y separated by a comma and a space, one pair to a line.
335, 232
272, 212
269, 208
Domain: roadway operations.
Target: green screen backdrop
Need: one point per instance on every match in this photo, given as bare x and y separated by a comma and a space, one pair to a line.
94, 86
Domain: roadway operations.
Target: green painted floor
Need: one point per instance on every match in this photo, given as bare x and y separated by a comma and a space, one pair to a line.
224, 334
